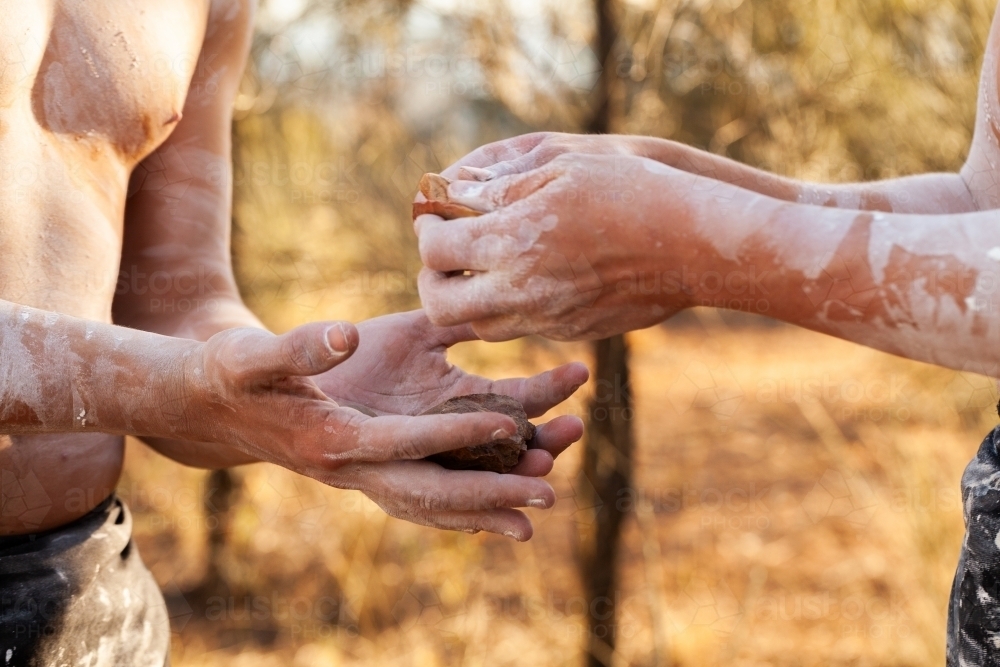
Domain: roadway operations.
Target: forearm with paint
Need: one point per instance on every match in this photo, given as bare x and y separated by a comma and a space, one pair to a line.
923, 193
64, 374
920, 286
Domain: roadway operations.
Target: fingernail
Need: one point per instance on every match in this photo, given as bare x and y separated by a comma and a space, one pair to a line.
338, 339
537, 502
501, 434
465, 189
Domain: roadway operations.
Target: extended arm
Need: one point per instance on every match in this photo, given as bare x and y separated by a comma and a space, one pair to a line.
923, 193
560, 254
920, 286
250, 391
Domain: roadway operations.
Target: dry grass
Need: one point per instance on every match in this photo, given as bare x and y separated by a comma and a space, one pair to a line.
800, 494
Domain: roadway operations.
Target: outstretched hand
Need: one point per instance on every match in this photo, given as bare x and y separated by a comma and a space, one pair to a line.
255, 392
401, 368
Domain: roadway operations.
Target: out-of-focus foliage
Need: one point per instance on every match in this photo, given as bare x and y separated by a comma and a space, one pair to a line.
797, 497
348, 102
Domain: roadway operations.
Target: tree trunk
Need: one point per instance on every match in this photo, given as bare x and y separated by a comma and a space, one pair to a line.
607, 463
221, 492
608, 469
600, 120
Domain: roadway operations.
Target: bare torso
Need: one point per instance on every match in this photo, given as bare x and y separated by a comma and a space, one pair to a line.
87, 90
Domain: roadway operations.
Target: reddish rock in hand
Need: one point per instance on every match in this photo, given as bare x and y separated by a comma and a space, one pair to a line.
497, 455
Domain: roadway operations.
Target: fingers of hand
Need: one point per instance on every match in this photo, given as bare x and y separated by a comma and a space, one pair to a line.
462, 333
501, 191
533, 159
490, 154
310, 349
508, 522
429, 487
415, 329
496, 326
462, 244
544, 391
250, 355
474, 174
534, 463
396, 437
550, 148
555, 436
454, 300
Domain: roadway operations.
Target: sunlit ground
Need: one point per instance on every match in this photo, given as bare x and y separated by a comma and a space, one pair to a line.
797, 503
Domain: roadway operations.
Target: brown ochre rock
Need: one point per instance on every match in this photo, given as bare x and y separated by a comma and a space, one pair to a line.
496, 455
435, 188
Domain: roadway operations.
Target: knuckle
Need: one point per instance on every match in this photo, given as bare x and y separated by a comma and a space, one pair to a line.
346, 445
417, 499
227, 359
407, 448
332, 462
300, 352
504, 192
495, 497
564, 159
429, 248
536, 139
432, 501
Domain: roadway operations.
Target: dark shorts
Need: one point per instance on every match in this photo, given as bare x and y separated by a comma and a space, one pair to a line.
80, 595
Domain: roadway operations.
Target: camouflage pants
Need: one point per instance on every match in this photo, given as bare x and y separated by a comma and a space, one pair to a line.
974, 610
80, 595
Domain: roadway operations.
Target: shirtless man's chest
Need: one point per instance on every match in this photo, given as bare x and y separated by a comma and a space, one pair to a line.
87, 90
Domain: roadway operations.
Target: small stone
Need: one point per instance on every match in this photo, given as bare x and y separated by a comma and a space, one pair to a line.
434, 188
494, 456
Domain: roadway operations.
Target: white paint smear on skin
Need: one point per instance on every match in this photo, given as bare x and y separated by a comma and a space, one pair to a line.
803, 238
18, 374
847, 198
727, 216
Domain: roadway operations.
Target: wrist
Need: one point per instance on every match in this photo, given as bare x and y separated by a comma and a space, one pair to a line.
686, 212
760, 254
655, 259
710, 243
172, 402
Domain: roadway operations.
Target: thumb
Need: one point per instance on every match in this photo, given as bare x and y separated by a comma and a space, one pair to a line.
310, 349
